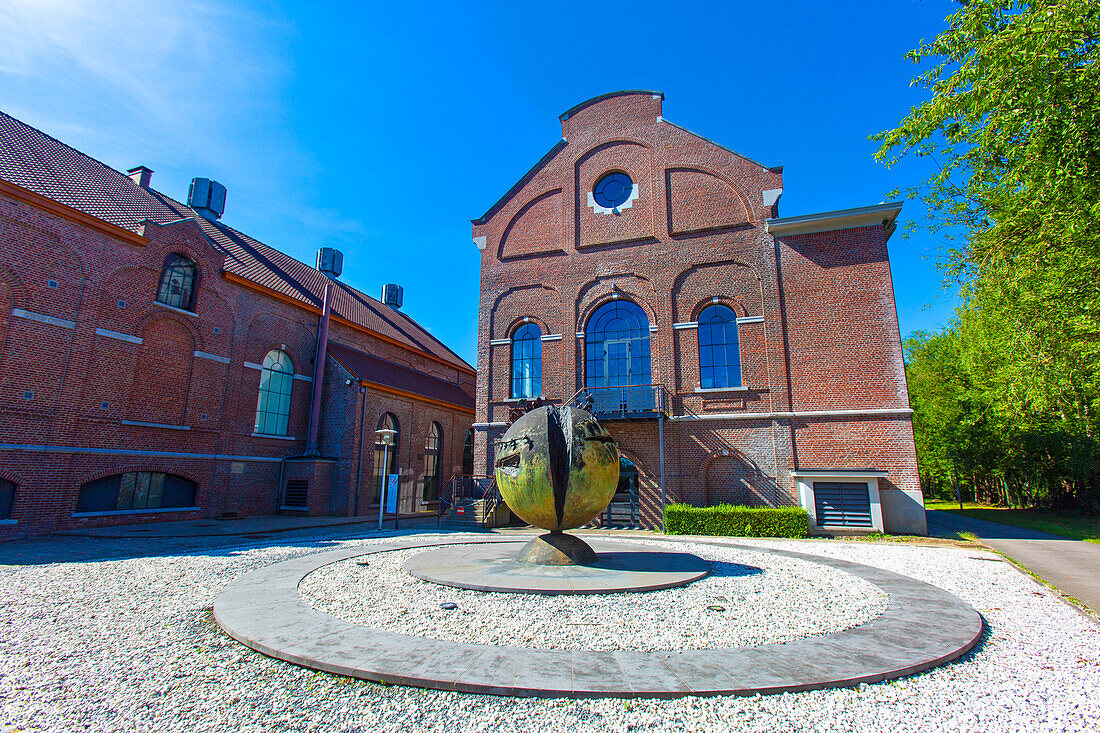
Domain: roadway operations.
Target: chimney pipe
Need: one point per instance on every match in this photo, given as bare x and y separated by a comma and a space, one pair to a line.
140, 175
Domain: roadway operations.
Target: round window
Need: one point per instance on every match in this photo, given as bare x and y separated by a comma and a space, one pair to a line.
613, 190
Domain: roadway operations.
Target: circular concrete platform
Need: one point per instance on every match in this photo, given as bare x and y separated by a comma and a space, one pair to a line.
622, 568
923, 627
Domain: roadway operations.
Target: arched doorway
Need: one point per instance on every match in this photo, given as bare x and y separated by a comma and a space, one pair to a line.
622, 512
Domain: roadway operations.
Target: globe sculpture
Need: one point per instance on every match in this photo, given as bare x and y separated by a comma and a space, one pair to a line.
557, 468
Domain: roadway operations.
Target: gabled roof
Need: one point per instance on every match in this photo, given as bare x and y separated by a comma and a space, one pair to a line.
35, 161
379, 372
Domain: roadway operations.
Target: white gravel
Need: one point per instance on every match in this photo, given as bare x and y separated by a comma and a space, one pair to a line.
767, 599
128, 645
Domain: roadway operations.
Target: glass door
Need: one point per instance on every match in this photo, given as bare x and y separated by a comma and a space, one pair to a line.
617, 362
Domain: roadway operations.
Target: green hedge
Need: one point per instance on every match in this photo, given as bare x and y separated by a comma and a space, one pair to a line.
737, 521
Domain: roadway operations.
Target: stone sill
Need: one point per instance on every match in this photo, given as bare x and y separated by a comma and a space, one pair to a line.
273, 437
119, 512
713, 390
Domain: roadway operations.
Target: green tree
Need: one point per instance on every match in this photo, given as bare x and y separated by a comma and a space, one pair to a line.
1013, 123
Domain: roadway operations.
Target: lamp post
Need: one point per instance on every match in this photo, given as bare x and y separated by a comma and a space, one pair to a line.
384, 439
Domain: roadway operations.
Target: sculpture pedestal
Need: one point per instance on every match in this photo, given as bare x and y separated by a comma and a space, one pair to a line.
557, 548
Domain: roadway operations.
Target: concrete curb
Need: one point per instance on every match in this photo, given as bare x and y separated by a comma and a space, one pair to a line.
922, 627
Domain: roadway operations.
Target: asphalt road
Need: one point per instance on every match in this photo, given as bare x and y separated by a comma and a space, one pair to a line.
1071, 566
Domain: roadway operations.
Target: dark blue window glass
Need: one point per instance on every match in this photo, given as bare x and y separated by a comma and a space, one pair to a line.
719, 350
613, 190
527, 361
617, 346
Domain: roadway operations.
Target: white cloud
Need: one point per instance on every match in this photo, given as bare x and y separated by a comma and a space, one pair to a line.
187, 88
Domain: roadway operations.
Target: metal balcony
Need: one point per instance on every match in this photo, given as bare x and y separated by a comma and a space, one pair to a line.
633, 402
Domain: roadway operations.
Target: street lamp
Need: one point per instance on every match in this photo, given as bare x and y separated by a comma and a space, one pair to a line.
384, 439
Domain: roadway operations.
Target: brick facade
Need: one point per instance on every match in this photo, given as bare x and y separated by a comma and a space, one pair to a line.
822, 373
96, 378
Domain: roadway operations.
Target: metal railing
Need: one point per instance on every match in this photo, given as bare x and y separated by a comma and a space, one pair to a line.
465, 491
622, 403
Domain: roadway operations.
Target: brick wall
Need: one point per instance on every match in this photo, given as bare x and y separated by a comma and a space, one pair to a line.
97, 379
819, 328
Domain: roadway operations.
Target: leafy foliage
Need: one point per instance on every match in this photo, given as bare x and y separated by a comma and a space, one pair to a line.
1011, 390
726, 520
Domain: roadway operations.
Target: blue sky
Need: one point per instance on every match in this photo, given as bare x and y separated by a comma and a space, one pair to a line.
383, 128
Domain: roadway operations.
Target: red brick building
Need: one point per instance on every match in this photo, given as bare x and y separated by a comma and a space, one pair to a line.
157, 364
643, 269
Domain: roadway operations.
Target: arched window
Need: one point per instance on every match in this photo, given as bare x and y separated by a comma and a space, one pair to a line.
7, 497
527, 361
135, 491
433, 450
177, 282
273, 403
719, 350
617, 346
385, 452
468, 453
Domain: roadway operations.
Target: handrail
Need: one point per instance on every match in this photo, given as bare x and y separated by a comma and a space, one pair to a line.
632, 400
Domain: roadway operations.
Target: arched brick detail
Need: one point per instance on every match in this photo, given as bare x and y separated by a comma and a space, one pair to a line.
536, 228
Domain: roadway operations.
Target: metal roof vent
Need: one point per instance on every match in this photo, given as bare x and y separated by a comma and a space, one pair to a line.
393, 295
330, 261
207, 198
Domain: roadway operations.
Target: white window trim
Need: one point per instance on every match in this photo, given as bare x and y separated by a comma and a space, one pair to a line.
184, 311
709, 390
32, 316
211, 357
120, 336
272, 435
140, 424
806, 493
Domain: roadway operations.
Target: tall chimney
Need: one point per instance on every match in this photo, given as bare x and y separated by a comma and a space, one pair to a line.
140, 175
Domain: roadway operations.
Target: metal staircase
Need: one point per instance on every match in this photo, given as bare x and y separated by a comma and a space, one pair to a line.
469, 502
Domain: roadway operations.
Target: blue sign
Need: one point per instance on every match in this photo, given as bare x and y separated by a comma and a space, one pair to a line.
392, 484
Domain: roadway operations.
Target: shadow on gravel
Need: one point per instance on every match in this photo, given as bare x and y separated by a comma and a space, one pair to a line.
732, 570
67, 549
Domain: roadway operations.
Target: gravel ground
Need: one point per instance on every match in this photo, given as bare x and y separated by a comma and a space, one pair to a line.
767, 599
129, 645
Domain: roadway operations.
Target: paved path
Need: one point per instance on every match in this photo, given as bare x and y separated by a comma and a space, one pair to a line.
1071, 566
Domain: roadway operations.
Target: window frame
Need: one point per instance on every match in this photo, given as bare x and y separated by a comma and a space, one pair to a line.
172, 263
268, 374
387, 420
134, 493
433, 456
723, 369
637, 336
526, 335
9, 492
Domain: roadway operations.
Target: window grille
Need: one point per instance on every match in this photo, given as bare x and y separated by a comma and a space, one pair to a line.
527, 361
177, 282
273, 402
719, 348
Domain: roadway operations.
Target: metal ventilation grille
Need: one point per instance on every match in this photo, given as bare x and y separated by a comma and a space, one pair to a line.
842, 505
297, 494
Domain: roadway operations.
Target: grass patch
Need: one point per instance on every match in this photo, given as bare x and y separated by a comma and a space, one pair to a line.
1079, 528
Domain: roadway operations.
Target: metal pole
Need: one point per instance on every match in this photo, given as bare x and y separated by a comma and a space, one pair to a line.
661, 434
385, 480
362, 441
955, 477
319, 374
